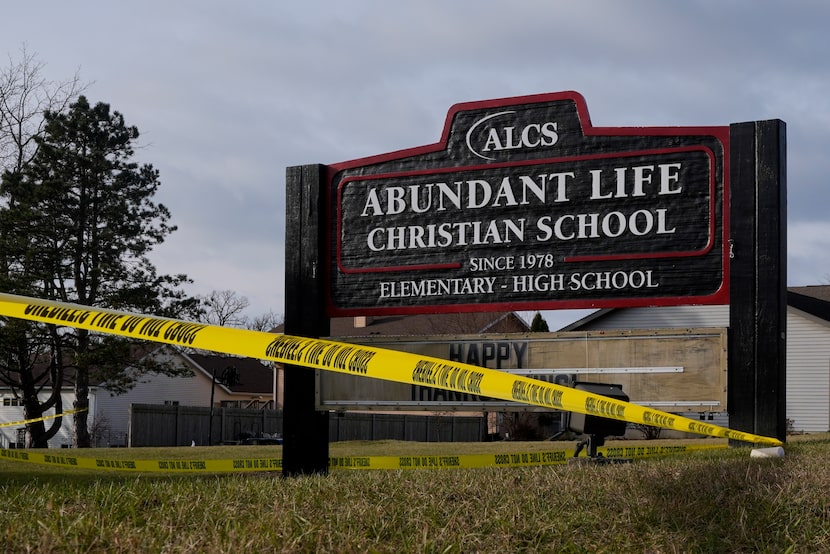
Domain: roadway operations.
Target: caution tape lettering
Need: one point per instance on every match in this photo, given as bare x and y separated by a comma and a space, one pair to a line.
348, 462
182, 465
115, 464
373, 362
604, 408
258, 463
286, 348
531, 393
107, 321
68, 315
344, 357
657, 420
60, 460
176, 331
445, 461
151, 328
447, 376
702, 428
14, 454
183, 333
553, 457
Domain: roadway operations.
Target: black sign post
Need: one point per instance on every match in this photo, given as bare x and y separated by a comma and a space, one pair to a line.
305, 430
758, 307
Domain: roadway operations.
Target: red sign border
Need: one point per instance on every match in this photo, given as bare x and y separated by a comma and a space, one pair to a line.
631, 153
720, 133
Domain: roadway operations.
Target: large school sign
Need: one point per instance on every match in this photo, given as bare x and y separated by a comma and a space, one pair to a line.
523, 204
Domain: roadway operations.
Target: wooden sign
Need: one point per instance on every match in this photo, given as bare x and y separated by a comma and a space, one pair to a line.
524, 205
679, 370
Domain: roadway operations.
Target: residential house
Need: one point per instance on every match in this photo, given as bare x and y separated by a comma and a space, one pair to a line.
13, 432
109, 413
261, 384
255, 388
808, 345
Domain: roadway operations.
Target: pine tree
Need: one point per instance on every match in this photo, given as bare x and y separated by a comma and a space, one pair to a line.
29, 365
539, 325
85, 222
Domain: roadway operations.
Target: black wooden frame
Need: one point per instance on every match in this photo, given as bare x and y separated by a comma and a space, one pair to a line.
757, 359
758, 293
305, 429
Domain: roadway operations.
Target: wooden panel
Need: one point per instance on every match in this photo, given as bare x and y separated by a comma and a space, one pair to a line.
758, 212
700, 384
306, 446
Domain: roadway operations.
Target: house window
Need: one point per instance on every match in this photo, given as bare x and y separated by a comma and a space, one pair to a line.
12, 402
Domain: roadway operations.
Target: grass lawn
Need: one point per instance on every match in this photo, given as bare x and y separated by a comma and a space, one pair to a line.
710, 501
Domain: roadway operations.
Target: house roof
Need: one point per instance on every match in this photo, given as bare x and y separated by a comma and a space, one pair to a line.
813, 299
429, 324
254, 376
576, 325
138, 351
425, 324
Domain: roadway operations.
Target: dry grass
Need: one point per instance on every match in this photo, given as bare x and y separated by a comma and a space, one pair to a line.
717, 501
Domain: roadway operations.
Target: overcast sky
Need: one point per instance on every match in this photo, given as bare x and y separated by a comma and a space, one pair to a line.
226, 95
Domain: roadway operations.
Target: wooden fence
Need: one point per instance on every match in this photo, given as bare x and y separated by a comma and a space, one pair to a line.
406, 427
157, 425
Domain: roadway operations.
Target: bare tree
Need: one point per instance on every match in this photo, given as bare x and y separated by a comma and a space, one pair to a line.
25, 96
265, 322
649, 432
227, 309
224, 308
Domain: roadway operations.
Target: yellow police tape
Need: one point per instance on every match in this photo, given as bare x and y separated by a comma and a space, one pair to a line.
444, 461
514, 459
44, 418
353, 359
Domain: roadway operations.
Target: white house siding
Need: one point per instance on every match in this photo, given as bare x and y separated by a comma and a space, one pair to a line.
662, 318
113, 411
808, 372
808, 352
64, 437
108, 414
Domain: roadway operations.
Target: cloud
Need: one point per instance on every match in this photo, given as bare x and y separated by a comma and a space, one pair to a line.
808, 243
227, 95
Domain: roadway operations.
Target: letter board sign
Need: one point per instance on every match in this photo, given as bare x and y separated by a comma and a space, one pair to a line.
524, 205
679, 370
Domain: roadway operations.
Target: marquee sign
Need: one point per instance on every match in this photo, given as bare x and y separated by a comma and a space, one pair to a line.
679, 370
524, 205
